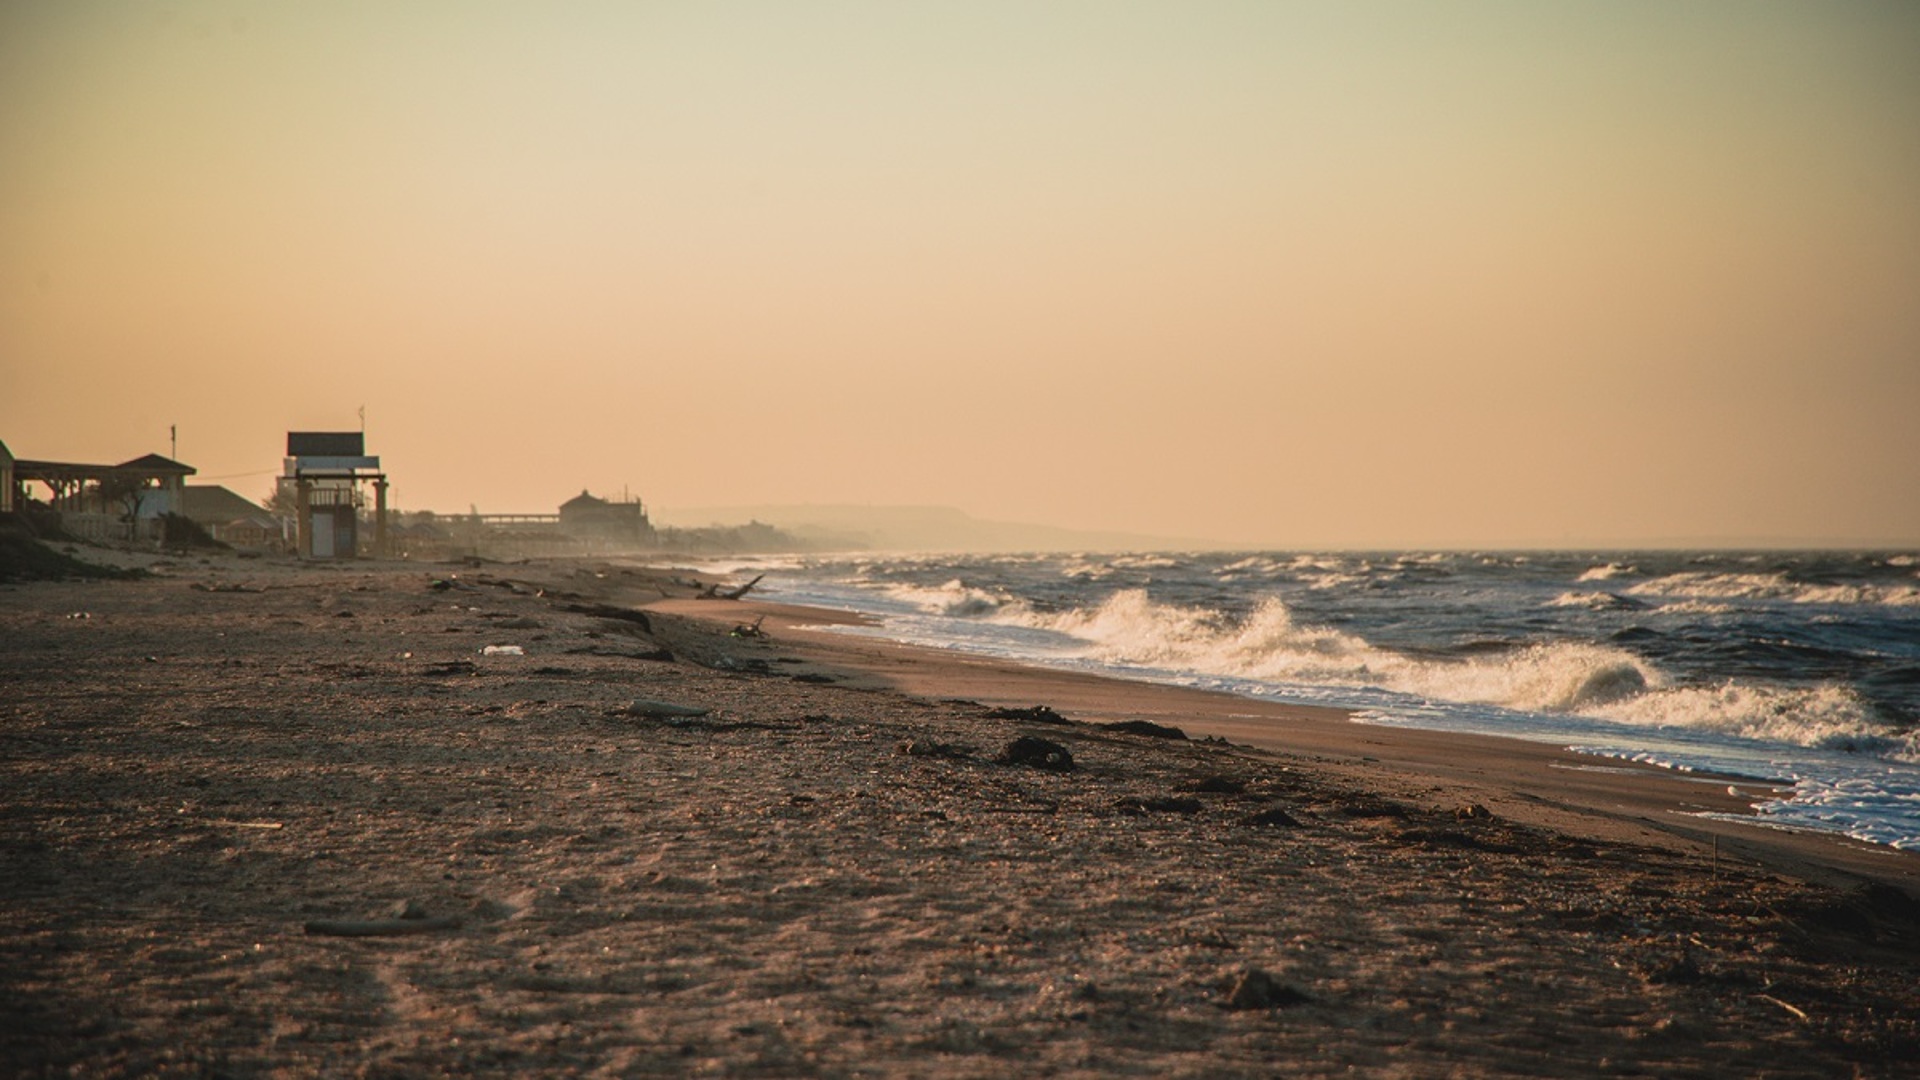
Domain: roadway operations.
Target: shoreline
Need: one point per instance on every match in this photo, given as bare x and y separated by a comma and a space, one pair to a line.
1539, 783
268, 818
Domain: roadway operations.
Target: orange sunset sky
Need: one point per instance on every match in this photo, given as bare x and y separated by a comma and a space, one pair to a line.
1280, 274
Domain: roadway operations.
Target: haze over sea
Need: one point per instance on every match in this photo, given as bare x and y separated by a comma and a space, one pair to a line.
1798, 667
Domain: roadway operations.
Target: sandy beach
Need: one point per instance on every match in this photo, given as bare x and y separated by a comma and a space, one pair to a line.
266, 819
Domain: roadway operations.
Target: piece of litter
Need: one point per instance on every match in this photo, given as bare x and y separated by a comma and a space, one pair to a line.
503, 650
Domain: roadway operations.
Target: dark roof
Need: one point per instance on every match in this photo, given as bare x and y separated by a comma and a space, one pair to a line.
154, 463
326, 444
582, 501
213, 504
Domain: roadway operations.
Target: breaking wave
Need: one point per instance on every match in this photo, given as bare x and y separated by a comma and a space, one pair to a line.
1829, 716
1268, 645
955, 598
1696, 584
1594, 601
1578, 678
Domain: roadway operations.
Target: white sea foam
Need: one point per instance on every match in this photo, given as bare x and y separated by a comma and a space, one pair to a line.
1829, 716
1146, 562
751, 564
955, 598
1699, 584
1592, 601
1131, 629
1693, 607
1584, 679
1253, 565
1603, 573
1855, 773
1082, 569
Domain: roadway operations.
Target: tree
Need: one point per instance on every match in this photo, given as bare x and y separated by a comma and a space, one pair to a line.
281, 501
129, 492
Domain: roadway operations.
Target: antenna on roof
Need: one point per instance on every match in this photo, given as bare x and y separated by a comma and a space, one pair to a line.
363, 419
173, 441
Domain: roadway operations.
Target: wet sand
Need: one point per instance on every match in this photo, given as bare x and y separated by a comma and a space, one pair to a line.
833, 871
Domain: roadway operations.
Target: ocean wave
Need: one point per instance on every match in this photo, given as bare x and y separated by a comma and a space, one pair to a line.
1569, 677
1594, 601
1693, 607
1132, 629
1253, 565
1081, 569
1828, 716
1603, 573
1146, 562
954, 598
1701, 584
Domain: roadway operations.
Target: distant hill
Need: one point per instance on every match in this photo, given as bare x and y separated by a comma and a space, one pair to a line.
917, 528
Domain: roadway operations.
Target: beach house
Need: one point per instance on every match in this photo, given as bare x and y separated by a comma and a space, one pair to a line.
128, 501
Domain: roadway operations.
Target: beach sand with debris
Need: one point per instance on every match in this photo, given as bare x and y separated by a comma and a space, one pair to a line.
259, 818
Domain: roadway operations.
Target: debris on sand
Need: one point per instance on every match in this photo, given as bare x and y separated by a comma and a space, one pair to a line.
928, 748
1253, 988
610, 611
1037, 753
1146, 727
1218, 785
1038, 714
715, 592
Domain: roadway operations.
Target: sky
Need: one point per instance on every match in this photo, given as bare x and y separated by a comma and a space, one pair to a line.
1281, 274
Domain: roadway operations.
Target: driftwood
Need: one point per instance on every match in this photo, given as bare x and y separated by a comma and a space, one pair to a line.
609, 611
380, 927
715, 592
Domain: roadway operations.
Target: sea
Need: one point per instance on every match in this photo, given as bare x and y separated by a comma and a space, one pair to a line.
1801, 668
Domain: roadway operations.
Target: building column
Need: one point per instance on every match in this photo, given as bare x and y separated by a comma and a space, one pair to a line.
380, 517
302, 520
